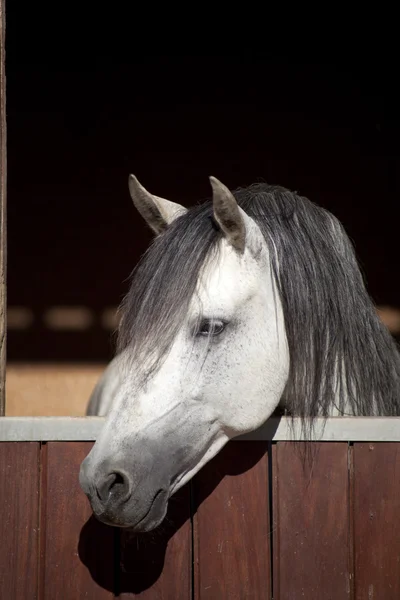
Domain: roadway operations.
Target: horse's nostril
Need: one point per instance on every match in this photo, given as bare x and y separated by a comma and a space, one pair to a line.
114, 485
118, 479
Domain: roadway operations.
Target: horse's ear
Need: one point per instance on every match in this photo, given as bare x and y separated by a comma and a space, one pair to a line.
228, 215
157, 212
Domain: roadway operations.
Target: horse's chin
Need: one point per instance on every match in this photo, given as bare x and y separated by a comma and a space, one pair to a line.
125, 519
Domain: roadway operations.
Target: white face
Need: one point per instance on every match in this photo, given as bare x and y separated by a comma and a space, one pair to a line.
223, 376
209, 388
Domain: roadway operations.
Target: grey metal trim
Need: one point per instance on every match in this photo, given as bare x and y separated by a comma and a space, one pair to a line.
49, 429
336, 429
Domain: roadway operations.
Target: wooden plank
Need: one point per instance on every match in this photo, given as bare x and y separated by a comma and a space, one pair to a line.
3, 212
77, 550
311, 521
376, 521
232, 525
158, 565
19, 522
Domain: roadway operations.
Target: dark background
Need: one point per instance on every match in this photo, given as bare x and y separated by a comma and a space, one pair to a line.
84, 111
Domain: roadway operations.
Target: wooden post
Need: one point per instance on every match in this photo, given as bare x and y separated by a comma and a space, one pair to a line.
3, 228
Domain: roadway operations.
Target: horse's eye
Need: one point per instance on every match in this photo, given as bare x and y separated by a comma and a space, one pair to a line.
211, 327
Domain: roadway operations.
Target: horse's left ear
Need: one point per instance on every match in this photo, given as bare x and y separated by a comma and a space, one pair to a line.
157, 212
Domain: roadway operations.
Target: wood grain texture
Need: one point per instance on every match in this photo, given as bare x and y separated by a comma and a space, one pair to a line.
77, 551
377, 521
19, 522
158, 565
3, 211
311, 522
232, 526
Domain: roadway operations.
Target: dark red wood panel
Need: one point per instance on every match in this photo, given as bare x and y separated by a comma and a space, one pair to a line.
232, 526
19, 520
158, 565
77, 551
377, 520
311, 521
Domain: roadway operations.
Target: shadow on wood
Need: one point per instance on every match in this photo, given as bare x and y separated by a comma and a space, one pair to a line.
94, 552
232, 524
140, 559
234, 459
162, 559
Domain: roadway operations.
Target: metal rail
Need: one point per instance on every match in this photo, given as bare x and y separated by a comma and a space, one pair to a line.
336, 429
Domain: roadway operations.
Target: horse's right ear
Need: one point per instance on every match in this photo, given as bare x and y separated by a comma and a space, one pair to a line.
157, 212
228, 215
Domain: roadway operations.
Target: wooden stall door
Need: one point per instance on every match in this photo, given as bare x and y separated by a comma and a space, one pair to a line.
52, 546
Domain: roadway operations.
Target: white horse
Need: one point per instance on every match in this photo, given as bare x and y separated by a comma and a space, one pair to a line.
249, 301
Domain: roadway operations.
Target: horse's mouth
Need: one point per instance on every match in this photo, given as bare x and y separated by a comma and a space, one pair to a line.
155, 514
151, 519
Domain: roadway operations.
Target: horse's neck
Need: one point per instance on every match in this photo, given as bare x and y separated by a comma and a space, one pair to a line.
103, 394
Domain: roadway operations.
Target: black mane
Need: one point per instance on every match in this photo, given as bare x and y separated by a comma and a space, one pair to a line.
340, 353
